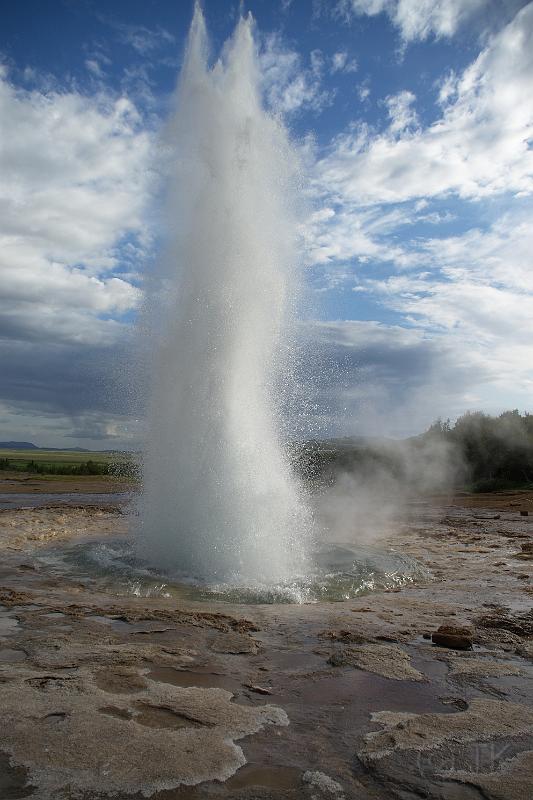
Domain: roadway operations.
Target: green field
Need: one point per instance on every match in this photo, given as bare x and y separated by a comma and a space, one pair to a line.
49, 463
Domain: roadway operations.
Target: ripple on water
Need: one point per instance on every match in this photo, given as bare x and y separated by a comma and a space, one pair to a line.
339, 572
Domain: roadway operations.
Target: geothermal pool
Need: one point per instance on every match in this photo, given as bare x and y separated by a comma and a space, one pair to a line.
336, 572
222, 515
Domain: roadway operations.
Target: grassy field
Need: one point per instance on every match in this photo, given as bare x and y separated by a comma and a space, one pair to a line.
64, 463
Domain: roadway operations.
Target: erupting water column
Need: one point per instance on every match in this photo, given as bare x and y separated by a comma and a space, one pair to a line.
219, 500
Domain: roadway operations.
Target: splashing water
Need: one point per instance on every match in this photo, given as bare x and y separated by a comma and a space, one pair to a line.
219, 500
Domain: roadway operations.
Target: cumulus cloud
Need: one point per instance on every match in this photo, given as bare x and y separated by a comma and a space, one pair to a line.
479, 147
289, 86
76, 178
467, 298
75, 181
336, 235
417, 20
473, 294
401, 112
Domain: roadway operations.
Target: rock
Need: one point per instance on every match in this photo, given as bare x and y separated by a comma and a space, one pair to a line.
456, 637
458, 702
519, 624
390, 661
512, 780
322, 786
258, 689
344, 636
235, 643
481, 667
526, 551
484, 720
91, 745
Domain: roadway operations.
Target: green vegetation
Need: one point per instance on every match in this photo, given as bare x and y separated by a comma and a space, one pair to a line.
496, 452
479, 453
67, 463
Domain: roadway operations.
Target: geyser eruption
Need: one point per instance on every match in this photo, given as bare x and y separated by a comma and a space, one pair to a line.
219, 499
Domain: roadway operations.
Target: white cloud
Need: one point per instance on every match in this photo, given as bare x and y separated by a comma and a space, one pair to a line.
500, 256
338, 235
473, 295
143, 40
391, 380
480, 146
401, 113
363, 90
418, 19
288, 85
464, 302
75, 181
341, 63
94, 67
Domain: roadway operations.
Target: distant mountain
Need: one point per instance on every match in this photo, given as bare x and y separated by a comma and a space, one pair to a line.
18, 446
31, 446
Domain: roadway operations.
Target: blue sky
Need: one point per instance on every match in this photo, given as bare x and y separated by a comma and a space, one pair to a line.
415, 123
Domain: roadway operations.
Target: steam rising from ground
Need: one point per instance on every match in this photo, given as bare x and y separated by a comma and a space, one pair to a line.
369, 499
219, 498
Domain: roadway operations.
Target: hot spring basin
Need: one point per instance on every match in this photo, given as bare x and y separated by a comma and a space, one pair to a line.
338, 572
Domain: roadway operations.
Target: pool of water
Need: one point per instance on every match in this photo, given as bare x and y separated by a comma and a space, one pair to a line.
338, 572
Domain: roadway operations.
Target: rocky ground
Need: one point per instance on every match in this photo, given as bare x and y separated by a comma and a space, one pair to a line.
108, 696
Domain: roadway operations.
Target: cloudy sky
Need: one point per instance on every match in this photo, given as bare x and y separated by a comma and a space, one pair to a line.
415, 120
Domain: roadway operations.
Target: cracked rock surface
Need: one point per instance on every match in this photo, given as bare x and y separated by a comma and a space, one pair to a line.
105, 694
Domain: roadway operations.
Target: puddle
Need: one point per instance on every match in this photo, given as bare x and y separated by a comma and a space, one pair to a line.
189, 679
119, 682
152, 716
118, 713
118, 625
517, 688
147, 628
282, 778
160, 717
360, 693
295, 661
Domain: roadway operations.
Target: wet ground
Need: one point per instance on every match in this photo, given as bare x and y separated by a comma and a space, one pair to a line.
111, 695
22, 500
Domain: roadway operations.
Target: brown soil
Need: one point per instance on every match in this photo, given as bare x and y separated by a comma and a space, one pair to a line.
513, 500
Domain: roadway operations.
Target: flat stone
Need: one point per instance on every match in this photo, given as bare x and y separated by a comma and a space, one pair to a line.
481, 667
387, 660
482, 721
456, 637
61, 736
322, 787
512, 781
